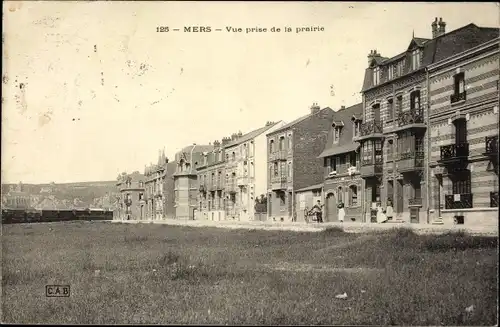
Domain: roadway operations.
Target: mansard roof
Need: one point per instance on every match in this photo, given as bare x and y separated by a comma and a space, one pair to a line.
439, 48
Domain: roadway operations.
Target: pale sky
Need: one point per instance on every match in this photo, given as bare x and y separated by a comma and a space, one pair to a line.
174, 89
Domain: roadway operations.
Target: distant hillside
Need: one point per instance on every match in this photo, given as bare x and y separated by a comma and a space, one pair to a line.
86, 193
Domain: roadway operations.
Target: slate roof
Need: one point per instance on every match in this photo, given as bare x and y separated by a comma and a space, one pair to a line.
296, 121
439, 48
345, 143
310, 188
250, 135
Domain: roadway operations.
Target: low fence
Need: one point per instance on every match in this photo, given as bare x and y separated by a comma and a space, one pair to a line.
42, 216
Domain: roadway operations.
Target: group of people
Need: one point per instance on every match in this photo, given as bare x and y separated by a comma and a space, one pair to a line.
382, 215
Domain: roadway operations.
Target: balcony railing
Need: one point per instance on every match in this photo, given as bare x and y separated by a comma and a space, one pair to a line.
458, 201
278, 155
243, 180
456, 97
410, 117
371, 168
408, 161
455, 151
279, 183
212, 186
415, 202
231, 186
494, 199
491, 145
370, 128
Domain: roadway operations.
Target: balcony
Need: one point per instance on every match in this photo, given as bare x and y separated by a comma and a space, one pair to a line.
454, 152
242, 181
494, 199
212, 186
410, 119
278, 155
410, 161
415, 202
458, 201
372, 129
127, 202
231, 187
491, 146
278, 183
457, 97
370, 169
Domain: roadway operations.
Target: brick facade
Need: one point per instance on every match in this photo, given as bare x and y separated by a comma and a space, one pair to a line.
464, 137
292, 160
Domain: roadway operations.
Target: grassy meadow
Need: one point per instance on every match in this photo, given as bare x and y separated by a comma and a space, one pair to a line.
152, 274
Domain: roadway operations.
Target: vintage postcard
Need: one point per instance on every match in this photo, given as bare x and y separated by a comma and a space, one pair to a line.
250, 163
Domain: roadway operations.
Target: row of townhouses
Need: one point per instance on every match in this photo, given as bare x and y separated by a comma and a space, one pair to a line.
423, 141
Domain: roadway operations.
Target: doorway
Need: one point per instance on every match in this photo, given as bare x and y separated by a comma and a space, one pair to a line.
331, 208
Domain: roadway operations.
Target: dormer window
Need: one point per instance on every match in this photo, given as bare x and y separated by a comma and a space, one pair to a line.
415, 59
376, 75
356, 127
336, 134
391, 71
400, 68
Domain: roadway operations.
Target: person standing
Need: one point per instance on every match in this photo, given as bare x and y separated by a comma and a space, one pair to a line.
317, 209
341, 212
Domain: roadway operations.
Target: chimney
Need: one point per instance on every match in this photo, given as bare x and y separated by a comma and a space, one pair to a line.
216, 144
373, 54
239, 134
224, 141
315, 108
442, 26
233, 136
342, 108
434, 25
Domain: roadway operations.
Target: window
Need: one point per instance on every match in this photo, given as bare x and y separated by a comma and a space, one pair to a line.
400, 68
367, 152
289, 141
353, 195
415, 59
282, 198
378, 151
391, 71
271, 146
282, 143
290, 170
205, 159
357, 128
252, 148
141, 184
220, 155
460, 131
352, 159
390, 150
336, 134
459, 86
376, 75
276, 172
399, 106
333, 164
415, 101
461, 180
376, 112
227, 156
233, 155
390, 109
316, 193
419, 144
